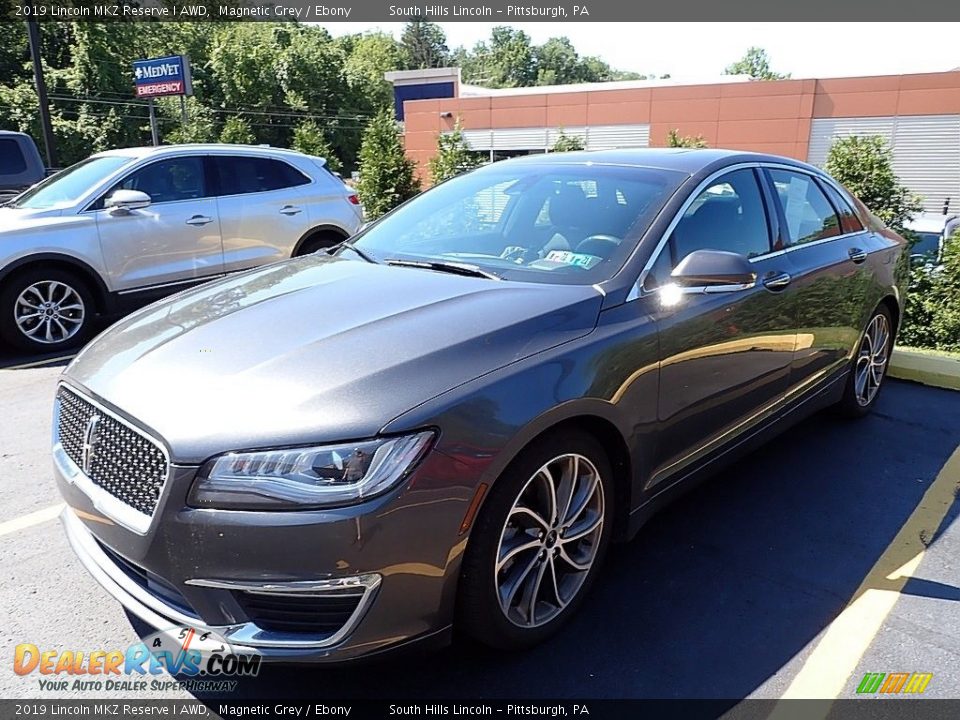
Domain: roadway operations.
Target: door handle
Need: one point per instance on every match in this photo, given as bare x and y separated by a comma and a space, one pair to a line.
776, 280
857, 255
290, 210
198, 220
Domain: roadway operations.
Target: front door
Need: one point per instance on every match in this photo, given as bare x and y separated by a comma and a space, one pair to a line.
725, 356
175, 238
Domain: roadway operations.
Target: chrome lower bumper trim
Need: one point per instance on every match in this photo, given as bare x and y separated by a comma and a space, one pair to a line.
158, 614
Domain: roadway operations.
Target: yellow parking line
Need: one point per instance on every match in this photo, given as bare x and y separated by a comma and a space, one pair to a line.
828, 668
34, 518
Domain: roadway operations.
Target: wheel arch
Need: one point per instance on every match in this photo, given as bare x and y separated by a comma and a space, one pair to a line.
893, 307
318, 231
60, 261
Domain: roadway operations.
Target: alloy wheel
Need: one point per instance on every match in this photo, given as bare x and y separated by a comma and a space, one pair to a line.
49, 312
872, 359
549, 541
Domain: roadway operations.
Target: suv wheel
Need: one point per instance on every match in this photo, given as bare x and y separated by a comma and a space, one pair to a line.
320, 241
45, 311
538, 542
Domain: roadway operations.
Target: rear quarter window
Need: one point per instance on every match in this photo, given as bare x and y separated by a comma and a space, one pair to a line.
12, 161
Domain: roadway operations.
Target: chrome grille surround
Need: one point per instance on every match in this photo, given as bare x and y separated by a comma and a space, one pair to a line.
118, 465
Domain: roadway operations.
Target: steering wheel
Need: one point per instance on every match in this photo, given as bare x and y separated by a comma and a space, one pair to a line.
598, 245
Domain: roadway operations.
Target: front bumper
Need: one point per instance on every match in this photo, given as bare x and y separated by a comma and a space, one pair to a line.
398, 556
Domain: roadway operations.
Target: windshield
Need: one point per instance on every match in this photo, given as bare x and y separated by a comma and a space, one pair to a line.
571, 224
927, 244
67, 186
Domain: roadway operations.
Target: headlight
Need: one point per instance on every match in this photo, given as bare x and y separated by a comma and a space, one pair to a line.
312, 477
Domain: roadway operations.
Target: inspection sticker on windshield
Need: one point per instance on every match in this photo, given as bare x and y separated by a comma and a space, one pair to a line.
571, 258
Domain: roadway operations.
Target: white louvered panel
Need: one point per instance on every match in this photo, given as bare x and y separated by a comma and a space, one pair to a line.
520, 139
824, 131
602, 137
553, 134
476, 139
926, 157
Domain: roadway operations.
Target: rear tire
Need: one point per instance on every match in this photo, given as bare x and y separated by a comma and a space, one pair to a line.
525, 573
320, 241
45, 311
869, 366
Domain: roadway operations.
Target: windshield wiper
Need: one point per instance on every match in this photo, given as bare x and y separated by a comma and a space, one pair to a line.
453, 268
351, 246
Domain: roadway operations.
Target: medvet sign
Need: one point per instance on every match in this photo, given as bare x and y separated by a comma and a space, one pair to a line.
159, 77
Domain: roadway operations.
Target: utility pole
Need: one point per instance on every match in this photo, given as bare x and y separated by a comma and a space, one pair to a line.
33, 35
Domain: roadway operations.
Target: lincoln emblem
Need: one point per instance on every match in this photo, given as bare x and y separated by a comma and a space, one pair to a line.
89, 444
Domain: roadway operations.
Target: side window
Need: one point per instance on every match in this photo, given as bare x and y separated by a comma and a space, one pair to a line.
240, 175
806, 209
729, 215
168, 180
12, 161
849, 222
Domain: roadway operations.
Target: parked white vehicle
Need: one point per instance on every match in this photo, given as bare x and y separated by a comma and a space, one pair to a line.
127, 226
933, 230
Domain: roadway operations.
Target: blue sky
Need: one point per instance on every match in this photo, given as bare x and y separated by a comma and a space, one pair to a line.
704, 49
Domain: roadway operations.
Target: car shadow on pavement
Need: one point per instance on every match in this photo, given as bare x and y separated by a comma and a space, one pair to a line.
720, 590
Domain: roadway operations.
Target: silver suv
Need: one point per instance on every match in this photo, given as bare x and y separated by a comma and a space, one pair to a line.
128, 226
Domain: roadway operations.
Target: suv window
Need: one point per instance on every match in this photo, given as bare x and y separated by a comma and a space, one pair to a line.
12, 161
808, 213
728, 215
240, 175
849, 222
170, 180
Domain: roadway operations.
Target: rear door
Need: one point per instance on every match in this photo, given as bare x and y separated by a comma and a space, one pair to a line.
829, 249
263, 209
176, 238
726, 354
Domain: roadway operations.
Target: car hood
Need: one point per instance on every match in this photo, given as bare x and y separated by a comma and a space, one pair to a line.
15, 219
317, 349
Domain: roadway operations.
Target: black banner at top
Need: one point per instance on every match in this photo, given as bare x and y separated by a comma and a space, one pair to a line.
497, 11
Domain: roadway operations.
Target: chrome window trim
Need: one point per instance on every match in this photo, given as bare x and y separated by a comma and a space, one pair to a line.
110, 505
637, 290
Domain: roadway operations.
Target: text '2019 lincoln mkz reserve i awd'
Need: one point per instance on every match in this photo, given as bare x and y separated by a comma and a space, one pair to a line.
443, 423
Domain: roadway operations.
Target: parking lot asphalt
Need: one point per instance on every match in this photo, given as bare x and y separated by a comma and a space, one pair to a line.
828, 553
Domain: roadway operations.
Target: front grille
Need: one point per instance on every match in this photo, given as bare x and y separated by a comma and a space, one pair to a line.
125, 463
151, 582
314, 614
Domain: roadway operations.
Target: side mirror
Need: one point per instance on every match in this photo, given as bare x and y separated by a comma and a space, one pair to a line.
123, 201
714, 270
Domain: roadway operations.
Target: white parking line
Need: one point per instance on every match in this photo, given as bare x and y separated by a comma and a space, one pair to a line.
36, 363
31, 519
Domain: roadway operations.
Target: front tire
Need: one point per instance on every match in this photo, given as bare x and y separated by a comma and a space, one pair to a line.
538, 542
44, 311
869, 366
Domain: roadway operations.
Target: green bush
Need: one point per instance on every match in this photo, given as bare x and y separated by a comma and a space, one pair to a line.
567, 143
386, 173
453, 156
932, 315
309, 138
676, 140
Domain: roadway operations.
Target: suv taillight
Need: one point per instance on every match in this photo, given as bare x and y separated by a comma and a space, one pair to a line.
353, 199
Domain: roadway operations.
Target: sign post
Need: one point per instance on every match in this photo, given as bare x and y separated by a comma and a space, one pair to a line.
163, 77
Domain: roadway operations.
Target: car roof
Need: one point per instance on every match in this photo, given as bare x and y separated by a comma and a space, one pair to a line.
686, 160
160, 150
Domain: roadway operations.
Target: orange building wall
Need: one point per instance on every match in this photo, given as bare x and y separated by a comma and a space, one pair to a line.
771, 116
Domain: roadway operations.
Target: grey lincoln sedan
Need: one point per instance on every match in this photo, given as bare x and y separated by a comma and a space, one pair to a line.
443, 423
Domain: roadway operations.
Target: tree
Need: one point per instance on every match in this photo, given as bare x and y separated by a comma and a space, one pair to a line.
386, 174
676, 140
368, 58
453, 156
864, 165
236, 130
424, 45
756, 64
932, 314
567, 143
308, 138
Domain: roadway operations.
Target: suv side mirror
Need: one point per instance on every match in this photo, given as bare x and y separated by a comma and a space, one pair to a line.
123, 201
715, 270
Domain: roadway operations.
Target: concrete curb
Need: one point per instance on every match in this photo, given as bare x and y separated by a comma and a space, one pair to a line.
942, 372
